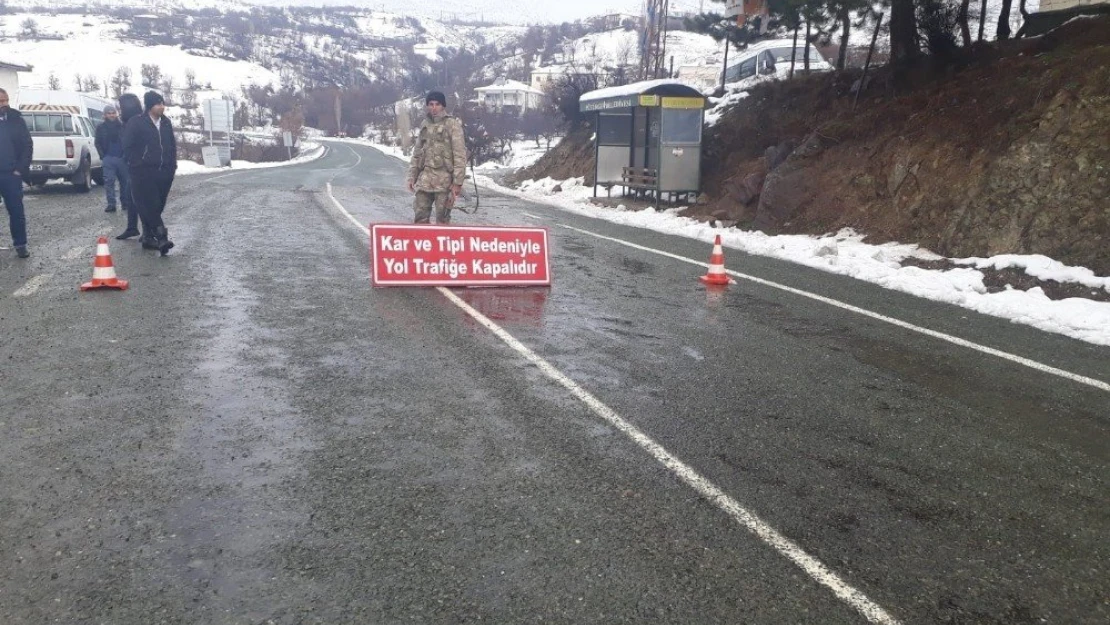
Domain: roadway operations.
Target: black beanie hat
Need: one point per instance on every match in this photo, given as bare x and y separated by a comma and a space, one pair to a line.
151, 98
436, 96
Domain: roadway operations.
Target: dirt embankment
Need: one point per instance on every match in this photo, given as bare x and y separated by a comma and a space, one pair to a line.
1007, 153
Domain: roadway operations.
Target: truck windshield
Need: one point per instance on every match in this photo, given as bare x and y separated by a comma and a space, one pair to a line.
49, 123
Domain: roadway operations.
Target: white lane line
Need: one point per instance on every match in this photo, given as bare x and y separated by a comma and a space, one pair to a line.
744, 517
225, 175
357, 155
531, 216
955, 340
32, 285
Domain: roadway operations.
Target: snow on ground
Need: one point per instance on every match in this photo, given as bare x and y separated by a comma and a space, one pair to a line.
622, 47
149, 5
91, 47
720, 105
521, 154
310, 152
845, 253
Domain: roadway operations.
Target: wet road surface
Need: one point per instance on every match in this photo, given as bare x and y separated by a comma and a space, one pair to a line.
251, 434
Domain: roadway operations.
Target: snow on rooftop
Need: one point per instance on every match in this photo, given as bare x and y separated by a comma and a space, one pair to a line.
635, 88
507, 84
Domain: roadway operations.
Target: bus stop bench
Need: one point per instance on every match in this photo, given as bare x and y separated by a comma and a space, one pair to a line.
639, 177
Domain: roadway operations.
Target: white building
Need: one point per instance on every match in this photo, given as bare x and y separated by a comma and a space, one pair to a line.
428, 50
9, 80
510, 93
543, 76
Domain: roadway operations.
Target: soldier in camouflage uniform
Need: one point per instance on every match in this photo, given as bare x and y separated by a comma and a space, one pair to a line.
438, 164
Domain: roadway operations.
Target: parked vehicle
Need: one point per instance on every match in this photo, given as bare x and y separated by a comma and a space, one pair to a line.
90, 106
771, 59
63, 128
64, 147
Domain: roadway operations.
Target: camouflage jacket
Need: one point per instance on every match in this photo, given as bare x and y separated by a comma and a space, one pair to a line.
439, 157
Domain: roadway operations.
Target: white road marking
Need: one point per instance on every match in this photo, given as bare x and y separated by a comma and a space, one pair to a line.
531, 216
357, 155
32, 285
1021, 360
225, 175
744, 517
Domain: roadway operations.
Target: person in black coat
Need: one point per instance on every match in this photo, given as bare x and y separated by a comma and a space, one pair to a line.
129, 107
150, 150
16, 148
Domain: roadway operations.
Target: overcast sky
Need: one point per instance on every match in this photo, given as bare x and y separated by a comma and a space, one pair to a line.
512, 11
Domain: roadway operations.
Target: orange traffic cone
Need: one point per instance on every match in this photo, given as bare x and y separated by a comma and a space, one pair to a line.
716, 275
104, 273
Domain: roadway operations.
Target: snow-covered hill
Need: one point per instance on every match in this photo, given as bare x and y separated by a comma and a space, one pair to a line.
229, 45
94, 46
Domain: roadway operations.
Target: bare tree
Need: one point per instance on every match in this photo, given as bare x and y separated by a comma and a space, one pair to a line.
121, 81
961, 18
151, 74
293, 121
904, 47
30, 29
53, 82
167, 88
191, 79
1003, 32
79, 82
92, 83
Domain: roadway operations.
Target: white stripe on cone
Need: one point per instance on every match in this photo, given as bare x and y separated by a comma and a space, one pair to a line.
104, 273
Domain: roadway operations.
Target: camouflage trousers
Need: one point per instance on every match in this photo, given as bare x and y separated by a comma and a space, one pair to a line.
422, 206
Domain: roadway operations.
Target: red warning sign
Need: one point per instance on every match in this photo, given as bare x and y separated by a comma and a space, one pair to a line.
426, 255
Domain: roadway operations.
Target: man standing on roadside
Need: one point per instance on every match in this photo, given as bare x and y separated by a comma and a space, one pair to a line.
129, 107
109, 144
15, 163
151, 153
438, 164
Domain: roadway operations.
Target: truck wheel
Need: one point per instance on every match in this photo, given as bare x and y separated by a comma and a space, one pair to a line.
98, 177
82, 180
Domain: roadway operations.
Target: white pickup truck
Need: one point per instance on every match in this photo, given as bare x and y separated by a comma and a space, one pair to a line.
64, 146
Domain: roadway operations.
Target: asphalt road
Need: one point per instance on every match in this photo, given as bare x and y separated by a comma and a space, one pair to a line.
252, 434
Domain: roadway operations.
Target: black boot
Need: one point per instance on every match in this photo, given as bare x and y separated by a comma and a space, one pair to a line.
164, 243
149, 241
127, 234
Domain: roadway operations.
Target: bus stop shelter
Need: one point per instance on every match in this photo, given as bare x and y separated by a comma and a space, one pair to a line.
648, 137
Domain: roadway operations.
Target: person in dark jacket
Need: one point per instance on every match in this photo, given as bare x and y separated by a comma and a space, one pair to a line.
15, 163
129, 107
150, 150
109, 144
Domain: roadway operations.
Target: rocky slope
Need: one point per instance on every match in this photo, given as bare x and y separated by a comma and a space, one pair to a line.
1008, 152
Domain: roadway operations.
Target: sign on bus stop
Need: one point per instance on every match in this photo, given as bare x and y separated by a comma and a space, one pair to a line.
426, 255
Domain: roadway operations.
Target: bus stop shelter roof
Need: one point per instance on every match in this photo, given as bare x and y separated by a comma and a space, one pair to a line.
626, 96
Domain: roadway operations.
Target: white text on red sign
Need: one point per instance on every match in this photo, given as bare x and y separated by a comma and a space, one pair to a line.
411, 254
